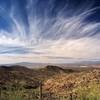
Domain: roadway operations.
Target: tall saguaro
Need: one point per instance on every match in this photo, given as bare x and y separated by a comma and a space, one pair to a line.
40, 90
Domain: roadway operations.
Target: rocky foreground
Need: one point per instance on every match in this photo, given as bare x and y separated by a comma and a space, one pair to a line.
77, 82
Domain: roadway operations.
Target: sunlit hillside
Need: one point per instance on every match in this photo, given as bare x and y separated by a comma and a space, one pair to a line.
49, 83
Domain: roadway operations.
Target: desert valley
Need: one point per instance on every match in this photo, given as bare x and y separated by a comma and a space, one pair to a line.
50, 82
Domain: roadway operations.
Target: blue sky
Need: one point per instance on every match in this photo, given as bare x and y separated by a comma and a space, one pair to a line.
49, 31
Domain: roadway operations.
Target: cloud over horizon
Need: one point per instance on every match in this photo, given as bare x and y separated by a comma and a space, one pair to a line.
61, 31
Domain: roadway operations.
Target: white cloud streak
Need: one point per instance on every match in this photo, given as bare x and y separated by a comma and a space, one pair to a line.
69, 37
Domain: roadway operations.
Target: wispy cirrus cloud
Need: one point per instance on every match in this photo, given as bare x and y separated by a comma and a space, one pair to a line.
60, 34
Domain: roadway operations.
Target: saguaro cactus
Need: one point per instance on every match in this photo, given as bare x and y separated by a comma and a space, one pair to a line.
40, 83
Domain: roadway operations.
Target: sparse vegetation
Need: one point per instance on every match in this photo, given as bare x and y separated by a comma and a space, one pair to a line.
20, 83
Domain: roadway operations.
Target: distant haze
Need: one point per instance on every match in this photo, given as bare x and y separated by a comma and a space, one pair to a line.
85, 64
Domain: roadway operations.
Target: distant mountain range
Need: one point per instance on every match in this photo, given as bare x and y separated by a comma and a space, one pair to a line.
65, 65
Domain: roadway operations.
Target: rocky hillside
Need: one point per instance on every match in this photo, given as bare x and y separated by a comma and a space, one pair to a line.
73, 82
69, 82
54, 79
25, 76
